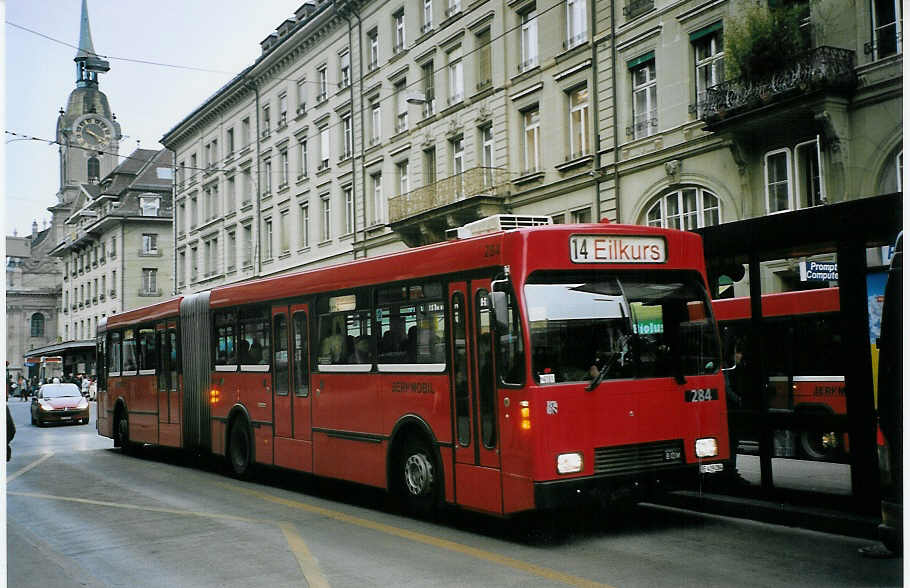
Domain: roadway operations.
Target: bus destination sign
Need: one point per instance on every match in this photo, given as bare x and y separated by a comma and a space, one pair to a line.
617, 249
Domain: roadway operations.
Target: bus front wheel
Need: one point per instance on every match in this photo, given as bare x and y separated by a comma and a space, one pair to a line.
419, 477
239, 448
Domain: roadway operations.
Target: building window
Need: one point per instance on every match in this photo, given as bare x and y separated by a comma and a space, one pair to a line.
579, 123
398, 27
267, 177
887, 28
230, 195
486, 154
483, 47
401, 120
267, 235
247, 180
456, 76
285, 168
376, 123
457, 148
181, 268
229, 141
282, 110
326, 217
777, 181
429, 89
245, 131
347, 136
644, 99
323, 79
403, 182
709, 62
113, 246
301, 96
378, 202
686, 209
266, 120
247, 246
149, 244
301, 159
150, 281
453, 8
531, 140
809, 181
304, 228
344, 73
373, 38
285, 230
324, 148
94, 169
348, 210
427, 16
231, 251
576, 23
429, 166
528, 40
113, 283
37, 325
211, 257
582, 215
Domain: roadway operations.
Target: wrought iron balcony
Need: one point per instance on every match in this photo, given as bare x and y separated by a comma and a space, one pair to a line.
478, 181
819, 69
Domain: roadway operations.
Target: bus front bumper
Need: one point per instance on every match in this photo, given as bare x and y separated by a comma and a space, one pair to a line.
608, 488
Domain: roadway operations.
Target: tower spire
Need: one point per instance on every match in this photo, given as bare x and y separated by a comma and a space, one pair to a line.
88, 64
86, 49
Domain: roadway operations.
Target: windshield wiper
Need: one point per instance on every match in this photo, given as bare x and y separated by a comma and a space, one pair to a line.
607, 365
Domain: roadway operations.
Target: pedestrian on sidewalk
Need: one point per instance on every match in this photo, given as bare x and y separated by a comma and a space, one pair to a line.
10, 433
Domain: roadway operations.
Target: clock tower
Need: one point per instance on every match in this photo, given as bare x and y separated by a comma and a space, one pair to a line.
88, 134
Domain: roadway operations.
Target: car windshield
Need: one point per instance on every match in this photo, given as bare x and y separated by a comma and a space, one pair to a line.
60, 390
631, 324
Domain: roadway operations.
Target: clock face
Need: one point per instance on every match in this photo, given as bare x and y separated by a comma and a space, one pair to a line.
93, 132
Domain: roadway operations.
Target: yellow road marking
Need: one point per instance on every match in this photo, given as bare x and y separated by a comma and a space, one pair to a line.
308, 565
474, 552
30, 466
298, 547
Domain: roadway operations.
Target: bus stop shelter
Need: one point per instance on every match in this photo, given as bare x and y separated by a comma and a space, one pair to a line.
847, 230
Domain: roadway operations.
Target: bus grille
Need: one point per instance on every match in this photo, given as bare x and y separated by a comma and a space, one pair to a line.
635, 458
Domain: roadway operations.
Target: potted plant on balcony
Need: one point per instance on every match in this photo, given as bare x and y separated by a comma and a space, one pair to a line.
764, 40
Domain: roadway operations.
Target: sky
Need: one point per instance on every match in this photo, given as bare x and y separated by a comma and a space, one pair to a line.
148, 100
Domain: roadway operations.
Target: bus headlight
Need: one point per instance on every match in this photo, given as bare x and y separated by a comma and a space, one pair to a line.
706, 447
569, 463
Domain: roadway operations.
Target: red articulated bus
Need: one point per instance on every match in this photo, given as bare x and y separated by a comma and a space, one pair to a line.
802, 356
522, 369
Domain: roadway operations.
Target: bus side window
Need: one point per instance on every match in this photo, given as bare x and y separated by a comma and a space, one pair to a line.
254, 347
147, 355
113, 354
511, 356
301, 367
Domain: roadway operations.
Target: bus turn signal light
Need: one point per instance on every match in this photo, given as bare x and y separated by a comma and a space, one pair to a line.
214, 396
525, 411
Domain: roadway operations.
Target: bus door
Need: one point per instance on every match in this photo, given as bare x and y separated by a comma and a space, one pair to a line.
163, 372
478, 482
300, 372
281, 372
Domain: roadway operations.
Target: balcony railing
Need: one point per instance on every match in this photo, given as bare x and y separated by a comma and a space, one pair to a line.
477, 181
816, 69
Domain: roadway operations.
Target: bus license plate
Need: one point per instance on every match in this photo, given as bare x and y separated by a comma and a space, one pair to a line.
702, 395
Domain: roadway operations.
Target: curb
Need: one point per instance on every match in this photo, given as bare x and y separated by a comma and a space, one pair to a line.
816, 519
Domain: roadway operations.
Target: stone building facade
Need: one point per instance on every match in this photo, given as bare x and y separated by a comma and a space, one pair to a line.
366, 127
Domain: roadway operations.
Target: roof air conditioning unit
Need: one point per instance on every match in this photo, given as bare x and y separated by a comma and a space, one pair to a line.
496, 223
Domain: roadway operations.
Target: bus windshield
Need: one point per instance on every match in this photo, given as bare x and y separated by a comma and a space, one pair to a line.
631, 324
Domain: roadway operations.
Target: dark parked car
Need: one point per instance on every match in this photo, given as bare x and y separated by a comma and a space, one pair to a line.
59, 403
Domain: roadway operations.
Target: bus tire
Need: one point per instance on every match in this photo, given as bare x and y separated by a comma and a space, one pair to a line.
122, 438
419, 477
821, 445
239, 448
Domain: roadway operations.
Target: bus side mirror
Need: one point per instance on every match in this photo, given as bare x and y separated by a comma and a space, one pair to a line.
500, 304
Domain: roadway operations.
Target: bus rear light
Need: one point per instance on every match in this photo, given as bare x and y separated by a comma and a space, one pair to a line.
569, 463
706, 447
214, 396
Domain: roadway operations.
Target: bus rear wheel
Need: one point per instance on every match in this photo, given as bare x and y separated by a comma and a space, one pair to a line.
419, 478
122, 439
821, 445
239, 449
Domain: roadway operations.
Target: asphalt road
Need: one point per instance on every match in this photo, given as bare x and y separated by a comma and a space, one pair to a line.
79, 513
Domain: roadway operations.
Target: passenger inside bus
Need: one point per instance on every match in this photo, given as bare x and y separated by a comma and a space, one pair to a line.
331, 349
361, 352
244, 348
